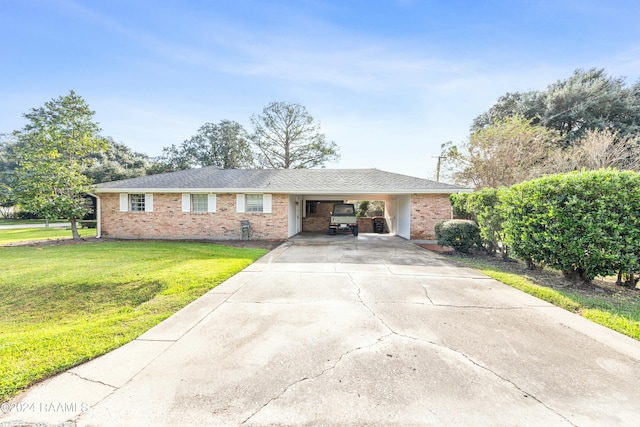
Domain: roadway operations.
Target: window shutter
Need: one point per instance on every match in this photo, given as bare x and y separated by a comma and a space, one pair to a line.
186, 203
266, 203
124, 202
148, 202
212, 203
240, 203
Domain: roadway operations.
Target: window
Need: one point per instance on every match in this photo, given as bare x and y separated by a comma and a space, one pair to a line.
136, 202
253, 203
199, 203
312, 207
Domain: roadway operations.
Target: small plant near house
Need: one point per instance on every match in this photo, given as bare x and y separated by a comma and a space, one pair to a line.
460, 234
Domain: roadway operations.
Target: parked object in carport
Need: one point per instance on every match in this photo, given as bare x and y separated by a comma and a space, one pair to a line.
343, 217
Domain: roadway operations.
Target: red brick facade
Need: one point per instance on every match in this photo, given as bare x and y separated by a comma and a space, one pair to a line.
426, 211
167, 221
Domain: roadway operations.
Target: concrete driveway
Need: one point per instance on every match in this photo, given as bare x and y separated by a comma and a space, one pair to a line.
354, 331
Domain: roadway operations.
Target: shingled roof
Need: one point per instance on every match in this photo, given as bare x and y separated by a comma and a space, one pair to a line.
292, 181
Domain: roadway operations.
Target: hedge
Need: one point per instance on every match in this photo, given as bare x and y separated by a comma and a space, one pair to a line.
585, 224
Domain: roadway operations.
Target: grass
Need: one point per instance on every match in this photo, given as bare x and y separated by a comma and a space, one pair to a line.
617, 311
63, 305
29, 234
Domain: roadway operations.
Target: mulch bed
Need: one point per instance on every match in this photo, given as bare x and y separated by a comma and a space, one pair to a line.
437, 248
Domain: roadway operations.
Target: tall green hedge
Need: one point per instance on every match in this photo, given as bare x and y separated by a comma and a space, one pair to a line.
585, 224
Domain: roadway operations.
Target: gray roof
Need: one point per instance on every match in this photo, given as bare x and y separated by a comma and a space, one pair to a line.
295, 181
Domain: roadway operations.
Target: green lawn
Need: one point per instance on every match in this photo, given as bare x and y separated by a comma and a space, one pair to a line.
63, 305
618, 312
24, 234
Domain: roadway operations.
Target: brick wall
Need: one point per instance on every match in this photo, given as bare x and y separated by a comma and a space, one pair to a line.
426, 211
318, 221
167, 221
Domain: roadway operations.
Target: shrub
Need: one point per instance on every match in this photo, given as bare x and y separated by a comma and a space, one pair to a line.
460, 234
585, 224
363, 207
485, 206
459, 205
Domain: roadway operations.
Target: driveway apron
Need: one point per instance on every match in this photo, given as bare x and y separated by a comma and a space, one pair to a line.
348, 330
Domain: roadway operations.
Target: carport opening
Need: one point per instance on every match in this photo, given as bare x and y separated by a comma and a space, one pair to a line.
371, 215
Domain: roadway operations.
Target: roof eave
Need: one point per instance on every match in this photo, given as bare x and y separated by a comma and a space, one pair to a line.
284, 191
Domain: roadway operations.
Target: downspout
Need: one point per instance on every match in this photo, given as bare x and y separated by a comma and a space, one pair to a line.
98, 216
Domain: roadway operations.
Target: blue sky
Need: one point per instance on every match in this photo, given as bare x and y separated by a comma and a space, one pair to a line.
389, 81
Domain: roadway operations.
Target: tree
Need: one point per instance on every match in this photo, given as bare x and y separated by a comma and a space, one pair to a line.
7, 166
587, 100
598, 149
53, 149
224, 145
287, 137
507, 152
117, 162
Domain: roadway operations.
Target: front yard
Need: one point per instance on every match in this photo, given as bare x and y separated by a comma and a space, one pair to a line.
61, 305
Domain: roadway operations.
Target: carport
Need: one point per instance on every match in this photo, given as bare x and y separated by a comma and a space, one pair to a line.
310, 212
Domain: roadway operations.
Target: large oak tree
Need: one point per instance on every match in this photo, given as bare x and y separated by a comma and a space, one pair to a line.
53, 149
223, 144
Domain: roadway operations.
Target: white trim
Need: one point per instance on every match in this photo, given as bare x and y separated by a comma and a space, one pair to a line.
148, 202
212, 203
124, 202
266, 203
240, 203
186, 202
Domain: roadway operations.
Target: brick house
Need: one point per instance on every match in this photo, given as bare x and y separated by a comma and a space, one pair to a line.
209, 203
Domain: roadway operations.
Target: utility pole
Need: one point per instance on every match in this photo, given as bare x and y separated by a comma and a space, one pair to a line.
438, 167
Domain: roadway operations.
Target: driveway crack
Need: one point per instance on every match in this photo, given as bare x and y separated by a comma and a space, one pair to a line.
93, 381
365, 305
516, 386
492, 372
318, 375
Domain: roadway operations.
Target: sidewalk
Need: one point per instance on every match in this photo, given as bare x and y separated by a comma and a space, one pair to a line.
50, 225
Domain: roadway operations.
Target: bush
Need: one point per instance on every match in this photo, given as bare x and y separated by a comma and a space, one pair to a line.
460, 234
459, 206
27, 215
485, 207
585, 224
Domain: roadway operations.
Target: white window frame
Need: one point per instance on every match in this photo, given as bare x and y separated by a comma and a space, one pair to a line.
127, 203
254, 203
199, 203
188, 199
242, 203
137, 202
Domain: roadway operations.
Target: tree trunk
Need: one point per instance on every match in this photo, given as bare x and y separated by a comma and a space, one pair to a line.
530, 264
74, 229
